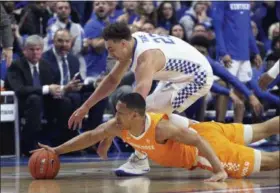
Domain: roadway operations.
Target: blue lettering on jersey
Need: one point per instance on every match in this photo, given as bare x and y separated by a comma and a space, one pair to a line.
143, 38
239, 6
162, 38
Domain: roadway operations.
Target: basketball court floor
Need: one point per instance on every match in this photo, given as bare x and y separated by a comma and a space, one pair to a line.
89, 174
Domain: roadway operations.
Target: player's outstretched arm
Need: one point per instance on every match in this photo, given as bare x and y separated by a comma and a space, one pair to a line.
87, 139
109, 83
168, 130
105, 88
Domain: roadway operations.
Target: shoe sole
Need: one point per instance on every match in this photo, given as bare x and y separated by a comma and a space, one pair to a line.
122, 173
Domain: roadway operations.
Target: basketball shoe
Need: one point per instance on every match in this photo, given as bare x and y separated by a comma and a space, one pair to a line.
134, 167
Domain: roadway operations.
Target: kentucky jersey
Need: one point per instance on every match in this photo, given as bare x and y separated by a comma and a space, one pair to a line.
182, 60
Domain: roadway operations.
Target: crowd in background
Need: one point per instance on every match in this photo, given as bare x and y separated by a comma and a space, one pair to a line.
55, 57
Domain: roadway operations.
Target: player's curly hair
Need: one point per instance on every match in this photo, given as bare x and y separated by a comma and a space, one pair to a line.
134, 101
116, 32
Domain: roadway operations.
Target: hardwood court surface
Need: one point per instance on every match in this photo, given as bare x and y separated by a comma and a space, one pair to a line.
91, 175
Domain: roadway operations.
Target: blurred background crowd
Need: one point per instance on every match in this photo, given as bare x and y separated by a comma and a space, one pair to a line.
53, 57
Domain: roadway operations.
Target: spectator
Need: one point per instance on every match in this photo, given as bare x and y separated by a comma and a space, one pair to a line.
235, 40
273, 32
265, 15
64, 67
32, 80
63, 21
202, 43
161, 31
96, 56
178, 31
130, 14
259, 43
34, 19
148, 10
166, 15
6, 37
9, 7
51, 9
148, 28
201, 29
275, 51
113, 11
197, 14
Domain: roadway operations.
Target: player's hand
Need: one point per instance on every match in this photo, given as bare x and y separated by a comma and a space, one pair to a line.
227, 61
42, 146
77, 117
264, 81
238, 103
218, 177
256, 105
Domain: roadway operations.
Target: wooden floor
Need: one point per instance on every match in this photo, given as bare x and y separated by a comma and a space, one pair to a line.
95, 176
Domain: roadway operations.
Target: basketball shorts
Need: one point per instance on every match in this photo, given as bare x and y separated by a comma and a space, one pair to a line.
242, 70
229, 141
169, 97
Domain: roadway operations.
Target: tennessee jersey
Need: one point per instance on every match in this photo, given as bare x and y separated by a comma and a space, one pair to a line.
170, 154
227, 141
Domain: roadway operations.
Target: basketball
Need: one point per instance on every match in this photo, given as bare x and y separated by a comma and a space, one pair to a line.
44, 164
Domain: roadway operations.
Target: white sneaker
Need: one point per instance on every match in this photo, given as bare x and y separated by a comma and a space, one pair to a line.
134, 167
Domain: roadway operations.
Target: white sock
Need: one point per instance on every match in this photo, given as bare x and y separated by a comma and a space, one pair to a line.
140, 155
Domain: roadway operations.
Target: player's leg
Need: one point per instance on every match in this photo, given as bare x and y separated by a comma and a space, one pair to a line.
269, 161
248, 161
265, 129
221, 104
238, 69
192, 91
240, 110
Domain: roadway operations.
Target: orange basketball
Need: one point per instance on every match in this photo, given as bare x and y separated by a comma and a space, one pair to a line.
44, 164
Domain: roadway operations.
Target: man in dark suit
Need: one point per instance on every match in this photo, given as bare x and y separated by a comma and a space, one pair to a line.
65, 66
33, 82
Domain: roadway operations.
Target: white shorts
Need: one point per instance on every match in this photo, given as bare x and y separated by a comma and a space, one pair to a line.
248, 137
168, 97
241, 69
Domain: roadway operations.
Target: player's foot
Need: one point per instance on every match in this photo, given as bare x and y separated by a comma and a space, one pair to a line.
134, 167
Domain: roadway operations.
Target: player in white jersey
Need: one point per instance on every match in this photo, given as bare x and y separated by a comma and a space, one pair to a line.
184, 74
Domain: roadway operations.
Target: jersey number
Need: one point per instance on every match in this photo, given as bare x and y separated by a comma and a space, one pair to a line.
162, 38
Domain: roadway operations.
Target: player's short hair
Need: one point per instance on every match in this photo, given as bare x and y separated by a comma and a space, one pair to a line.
200, 40
116, 32
134, 101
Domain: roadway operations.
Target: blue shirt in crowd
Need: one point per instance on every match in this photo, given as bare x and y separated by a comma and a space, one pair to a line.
96, 62
233, 30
